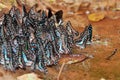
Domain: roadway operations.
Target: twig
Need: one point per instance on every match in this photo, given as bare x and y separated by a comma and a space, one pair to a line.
63, 64
113, 53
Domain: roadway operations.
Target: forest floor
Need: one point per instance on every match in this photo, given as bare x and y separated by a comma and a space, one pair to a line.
106, 38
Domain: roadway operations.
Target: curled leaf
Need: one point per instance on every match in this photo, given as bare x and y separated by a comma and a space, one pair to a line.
71, 59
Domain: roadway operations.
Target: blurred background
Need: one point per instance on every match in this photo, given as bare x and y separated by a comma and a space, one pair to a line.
101, 8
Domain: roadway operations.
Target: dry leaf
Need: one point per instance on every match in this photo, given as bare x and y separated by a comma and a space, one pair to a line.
31, 2
2, 6
30, 76
96, 16
51, 0
7, 4
69, 1
71, 59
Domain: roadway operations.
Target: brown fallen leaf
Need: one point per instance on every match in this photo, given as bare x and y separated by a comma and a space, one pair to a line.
74, 58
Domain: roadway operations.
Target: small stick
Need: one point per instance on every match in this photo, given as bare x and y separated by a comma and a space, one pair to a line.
113, 53
63, 64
